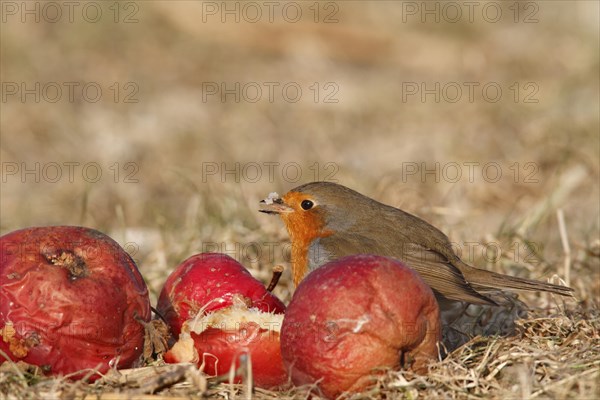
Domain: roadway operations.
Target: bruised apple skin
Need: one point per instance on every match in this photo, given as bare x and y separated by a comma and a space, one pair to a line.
217, 311
71, 299
355, 315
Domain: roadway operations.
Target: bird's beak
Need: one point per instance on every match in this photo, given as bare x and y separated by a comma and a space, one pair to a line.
275, 206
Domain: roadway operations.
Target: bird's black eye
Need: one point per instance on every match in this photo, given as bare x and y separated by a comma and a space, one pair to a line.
307, 204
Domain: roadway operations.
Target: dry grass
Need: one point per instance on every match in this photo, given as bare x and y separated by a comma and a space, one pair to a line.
551, 356
542, 222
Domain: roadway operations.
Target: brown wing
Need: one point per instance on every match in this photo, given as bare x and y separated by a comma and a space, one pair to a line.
435, 269
416, 237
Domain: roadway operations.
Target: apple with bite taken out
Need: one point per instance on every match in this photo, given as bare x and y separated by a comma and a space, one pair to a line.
217, 311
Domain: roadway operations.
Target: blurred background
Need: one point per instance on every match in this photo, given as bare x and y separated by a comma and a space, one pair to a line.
164, 123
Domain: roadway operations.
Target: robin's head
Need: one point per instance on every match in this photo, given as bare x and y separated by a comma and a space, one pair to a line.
316, 209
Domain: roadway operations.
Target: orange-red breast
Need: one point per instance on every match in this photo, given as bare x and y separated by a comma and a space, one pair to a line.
327, 221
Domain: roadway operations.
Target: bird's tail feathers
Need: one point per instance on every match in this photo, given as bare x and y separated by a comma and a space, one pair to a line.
483, 280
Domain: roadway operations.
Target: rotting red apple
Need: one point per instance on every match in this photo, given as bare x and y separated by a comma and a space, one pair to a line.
355, 315
218, 311
71, 299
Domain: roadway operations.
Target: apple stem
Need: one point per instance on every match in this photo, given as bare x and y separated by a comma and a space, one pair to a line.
277, 271
159, 315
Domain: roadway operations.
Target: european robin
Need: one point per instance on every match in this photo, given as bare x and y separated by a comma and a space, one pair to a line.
327, 221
